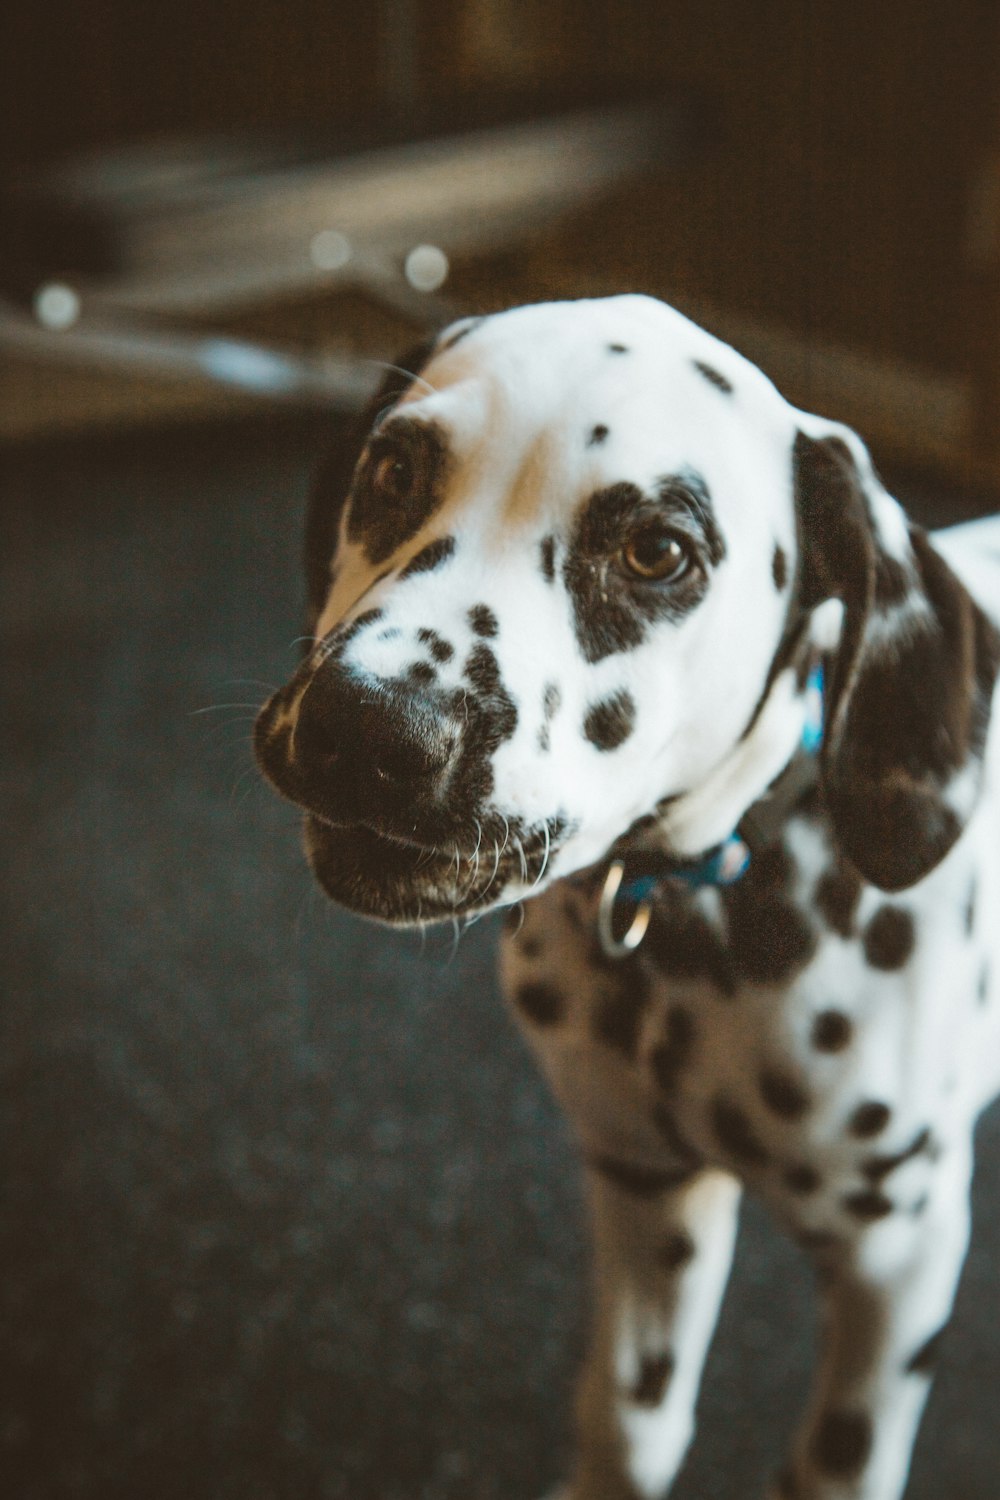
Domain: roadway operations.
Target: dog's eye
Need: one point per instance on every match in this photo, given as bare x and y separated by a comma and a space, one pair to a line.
392, 477
654, 553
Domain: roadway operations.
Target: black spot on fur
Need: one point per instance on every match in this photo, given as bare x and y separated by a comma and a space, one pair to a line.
597, 436
714, 377
837, 894
654, 1377
832, 1031
911, 706
619, 1011
888, 938
767, 937
802, 1179
773, 869
677, 1250
683, 943
430, 557
642, 1182
926, 1357
671, 1055
842, 1443
869, 1119
422, 673
612, 608
779, 568
542, 1004
440, 649
618, 348
771, 939
483, 670
489, 717
609, 723
783, 1095
384, 525
970, 909
483, 621
551, 699
877, 1168
547, 549
735, 1133
868, 1205
674, 1137
361, 622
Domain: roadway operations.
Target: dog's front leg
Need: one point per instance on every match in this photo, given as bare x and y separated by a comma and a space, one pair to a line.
885, 1303
661, 1264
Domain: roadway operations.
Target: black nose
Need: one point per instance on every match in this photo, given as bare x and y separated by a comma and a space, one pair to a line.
365, 746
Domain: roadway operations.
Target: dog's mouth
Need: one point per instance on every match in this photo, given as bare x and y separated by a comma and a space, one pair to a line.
404, 852
402, 883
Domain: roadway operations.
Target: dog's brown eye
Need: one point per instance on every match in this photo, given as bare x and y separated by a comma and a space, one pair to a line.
392, 477
654, 553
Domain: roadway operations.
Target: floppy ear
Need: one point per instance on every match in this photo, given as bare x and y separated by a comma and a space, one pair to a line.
332, 484
909, 694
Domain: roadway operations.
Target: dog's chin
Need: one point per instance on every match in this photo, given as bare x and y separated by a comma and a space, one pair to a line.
402, 884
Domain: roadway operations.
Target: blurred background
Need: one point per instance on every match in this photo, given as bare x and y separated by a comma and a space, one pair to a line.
285, 1211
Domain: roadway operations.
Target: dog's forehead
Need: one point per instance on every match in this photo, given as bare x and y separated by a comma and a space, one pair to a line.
543, 401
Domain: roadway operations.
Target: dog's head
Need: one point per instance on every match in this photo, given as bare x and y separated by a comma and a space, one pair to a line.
570, 586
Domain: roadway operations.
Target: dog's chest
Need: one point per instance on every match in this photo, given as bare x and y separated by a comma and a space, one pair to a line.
823, 1040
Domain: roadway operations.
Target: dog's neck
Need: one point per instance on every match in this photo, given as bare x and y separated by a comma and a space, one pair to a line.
778, 756
787, 730
707, 836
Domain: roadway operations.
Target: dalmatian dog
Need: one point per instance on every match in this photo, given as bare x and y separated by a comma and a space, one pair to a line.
606, 632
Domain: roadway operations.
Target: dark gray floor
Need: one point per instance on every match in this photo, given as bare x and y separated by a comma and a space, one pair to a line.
286, 1211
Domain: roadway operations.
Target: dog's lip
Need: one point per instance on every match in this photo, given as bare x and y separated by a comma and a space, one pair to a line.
395, 881
405, 882
410, 846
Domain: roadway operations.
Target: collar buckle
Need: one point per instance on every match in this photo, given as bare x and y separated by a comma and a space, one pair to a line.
728, 861
620, 947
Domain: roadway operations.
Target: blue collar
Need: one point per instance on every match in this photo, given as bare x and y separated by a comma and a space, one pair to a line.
634, 877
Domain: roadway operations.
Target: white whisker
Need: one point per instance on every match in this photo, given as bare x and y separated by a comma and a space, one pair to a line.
496, 867
518, 906
214, 708
383, 364
545, 856
246, 789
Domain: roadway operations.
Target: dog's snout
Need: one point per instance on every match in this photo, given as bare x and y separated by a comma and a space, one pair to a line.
366, 745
